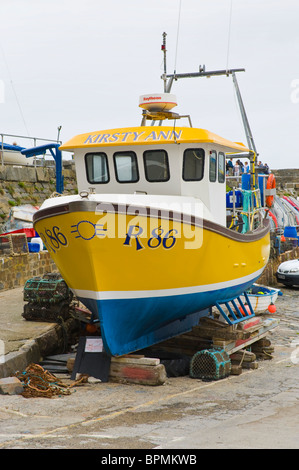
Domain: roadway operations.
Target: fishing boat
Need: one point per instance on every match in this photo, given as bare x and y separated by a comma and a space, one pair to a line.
11, 154
145, 244
261, 297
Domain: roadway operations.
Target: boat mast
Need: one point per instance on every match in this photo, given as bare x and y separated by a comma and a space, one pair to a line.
163, 48
203, 73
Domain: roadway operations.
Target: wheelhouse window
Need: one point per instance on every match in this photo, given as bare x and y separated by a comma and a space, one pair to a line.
213, 166
193, 164
221, 167
156, 165
97, 168
126, 169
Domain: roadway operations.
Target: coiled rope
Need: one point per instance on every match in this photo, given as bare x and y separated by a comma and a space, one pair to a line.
38, 382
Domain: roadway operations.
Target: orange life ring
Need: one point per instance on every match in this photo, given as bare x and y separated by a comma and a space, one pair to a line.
271, 184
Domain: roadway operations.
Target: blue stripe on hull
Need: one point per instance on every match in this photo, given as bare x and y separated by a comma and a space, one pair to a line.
128, 325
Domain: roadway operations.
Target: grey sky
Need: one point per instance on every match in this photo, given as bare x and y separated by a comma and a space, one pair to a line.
83, 65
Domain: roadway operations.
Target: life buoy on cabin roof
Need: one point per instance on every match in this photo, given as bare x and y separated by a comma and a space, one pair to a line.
271, 184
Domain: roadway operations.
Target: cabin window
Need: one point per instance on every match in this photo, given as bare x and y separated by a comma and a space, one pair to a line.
96, 167
213, 166
193, 164
126, 169
221, 167
156, 165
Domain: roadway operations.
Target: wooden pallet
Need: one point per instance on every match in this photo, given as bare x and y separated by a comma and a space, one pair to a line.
145, 368
234, 339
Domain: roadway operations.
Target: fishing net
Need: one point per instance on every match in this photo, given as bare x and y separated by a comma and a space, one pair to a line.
38, 382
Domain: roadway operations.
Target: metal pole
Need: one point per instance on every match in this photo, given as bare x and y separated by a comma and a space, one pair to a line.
59, 129
202, 73
163, 47
248, 132
249, 137
2, 156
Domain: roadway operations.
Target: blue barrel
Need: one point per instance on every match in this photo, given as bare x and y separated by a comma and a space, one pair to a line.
246, 177
238, 199
290, 232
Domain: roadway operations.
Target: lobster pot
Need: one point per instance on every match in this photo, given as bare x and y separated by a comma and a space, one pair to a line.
210, 364
50, 288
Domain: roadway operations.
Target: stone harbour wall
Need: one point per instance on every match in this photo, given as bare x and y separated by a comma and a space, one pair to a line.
16, 270
287, 181
268, 277
31, 185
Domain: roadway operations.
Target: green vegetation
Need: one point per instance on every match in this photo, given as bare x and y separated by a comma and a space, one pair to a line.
12, 203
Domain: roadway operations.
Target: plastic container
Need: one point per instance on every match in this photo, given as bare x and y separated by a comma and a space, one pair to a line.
290, 232
246, 178
39, 241
33, 247
238, 199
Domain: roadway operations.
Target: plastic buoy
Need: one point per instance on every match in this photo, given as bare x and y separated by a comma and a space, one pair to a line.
272, 308
247, 312
90, 328
282, 238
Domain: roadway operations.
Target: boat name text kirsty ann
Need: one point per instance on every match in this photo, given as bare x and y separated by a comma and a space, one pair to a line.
118, 137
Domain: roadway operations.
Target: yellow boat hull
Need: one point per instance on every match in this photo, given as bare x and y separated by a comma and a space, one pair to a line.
141, 271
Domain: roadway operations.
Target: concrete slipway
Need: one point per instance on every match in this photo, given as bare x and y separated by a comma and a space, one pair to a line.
257, 409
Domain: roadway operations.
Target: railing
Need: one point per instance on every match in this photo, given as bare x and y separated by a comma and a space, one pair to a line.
33, 143
251, 211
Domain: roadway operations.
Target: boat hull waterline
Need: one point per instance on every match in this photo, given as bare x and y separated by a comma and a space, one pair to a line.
147, 275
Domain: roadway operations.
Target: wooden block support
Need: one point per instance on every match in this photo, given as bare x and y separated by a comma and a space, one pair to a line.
243, 355
249, 365
252, 324
133, 369
236, 369
263, 342
129, 372
136, 360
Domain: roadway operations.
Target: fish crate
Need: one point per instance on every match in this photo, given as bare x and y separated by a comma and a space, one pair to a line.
210, 364
13, 244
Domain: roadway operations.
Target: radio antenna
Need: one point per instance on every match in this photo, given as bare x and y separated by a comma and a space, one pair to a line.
163, 48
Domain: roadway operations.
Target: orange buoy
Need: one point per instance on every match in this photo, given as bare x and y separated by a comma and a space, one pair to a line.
271, 184
247, 310
272, 308
91, 328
